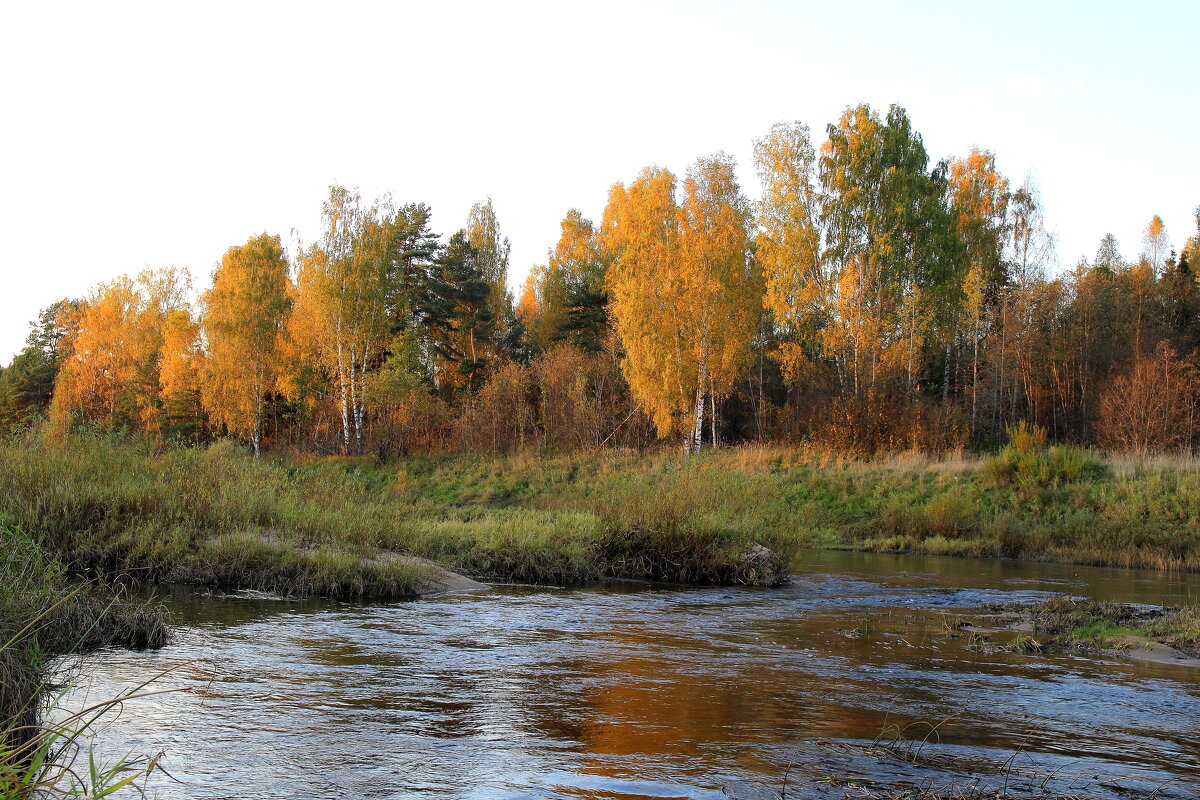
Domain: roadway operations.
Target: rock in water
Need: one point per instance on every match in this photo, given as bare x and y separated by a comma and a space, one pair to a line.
759, 566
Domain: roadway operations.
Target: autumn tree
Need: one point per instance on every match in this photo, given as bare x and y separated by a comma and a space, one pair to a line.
684, 292
979, 198
571, 395
1156, 243
891, 245
641, 237
342, 289
181, 375
530, 308
1152, 406
245, 320
500, 417
406, 412
720, 281
800, 288
113, 351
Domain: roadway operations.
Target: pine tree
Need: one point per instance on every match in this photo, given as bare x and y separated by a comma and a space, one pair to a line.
458, 312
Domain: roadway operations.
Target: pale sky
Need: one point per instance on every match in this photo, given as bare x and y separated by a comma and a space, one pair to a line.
162, 133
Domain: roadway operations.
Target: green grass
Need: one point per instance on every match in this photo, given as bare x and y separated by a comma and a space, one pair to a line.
127, 509
124, 511
1057, 503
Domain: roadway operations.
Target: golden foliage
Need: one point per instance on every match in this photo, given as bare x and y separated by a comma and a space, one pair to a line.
685, 294
113, 350
245, 322
340, 315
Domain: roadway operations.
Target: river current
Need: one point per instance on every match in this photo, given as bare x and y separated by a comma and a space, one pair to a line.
639, 690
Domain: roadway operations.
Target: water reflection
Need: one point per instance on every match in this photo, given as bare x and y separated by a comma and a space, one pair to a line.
655, 692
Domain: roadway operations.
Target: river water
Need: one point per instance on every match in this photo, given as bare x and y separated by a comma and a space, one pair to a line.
653, 691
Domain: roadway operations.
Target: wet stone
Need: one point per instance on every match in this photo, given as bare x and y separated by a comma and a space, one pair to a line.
760, 566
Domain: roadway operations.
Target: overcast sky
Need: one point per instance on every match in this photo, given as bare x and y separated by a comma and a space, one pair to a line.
160, 134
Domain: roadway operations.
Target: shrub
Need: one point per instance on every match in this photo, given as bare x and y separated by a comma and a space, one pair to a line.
1152, 407
1027, 462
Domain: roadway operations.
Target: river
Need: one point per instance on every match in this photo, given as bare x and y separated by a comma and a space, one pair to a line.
652, 691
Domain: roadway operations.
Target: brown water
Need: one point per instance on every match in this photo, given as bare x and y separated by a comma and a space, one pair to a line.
651, 691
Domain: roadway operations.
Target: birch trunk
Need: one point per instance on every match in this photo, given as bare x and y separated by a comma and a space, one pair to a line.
698, 428
345, 399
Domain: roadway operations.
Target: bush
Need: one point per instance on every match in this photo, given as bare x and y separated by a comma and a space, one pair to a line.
1027, 462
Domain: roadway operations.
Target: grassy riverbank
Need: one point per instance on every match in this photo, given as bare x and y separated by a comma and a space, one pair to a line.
129, 509
43, 615
126, 510
1028, 502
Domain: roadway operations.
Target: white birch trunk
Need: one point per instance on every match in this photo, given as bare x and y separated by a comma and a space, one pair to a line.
345, 398
698, 428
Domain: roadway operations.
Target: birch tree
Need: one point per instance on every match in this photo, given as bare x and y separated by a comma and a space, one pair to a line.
979, 198
1156, 243
685, 295
112, 352
800, 289
887, 227
641, 236
722, 290
341, 310
245, 319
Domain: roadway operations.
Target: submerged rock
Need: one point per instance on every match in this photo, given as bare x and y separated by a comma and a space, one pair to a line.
760, 566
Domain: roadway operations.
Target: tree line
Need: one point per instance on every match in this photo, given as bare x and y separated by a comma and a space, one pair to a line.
869, 300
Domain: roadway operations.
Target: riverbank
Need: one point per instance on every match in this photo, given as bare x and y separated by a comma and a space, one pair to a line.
45, 615
129, 510
133, 512
1029, 502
